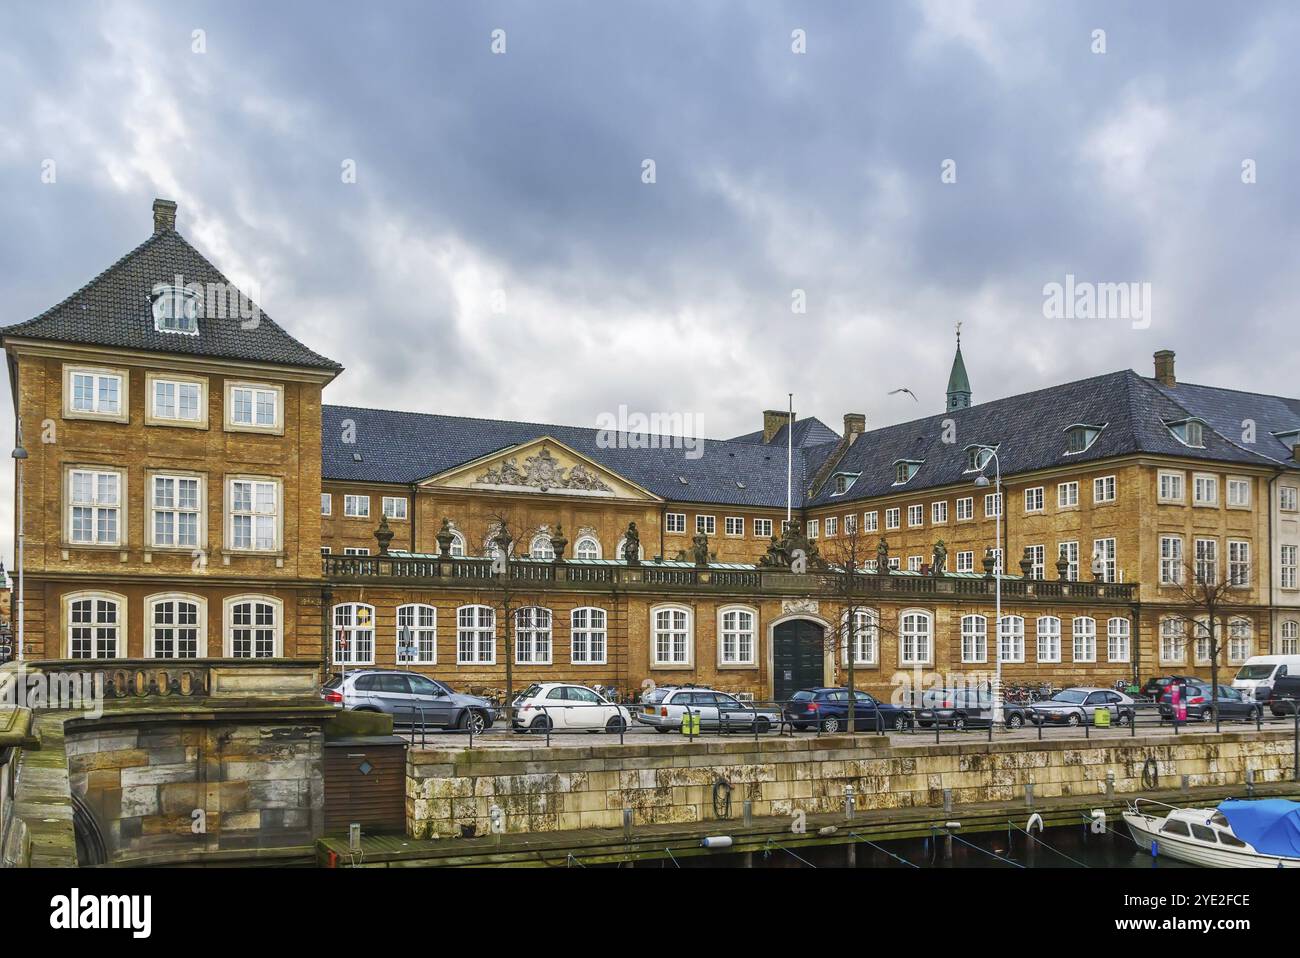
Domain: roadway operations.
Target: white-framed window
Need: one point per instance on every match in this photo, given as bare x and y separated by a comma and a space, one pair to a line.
588, 639
965, 561
175, 309
476, 635
1085, 638
91, 392
870, 521
762, 528
914, 563
893, 517
253, 506
965, 508
176, 511
541, 548
915, 516
737, 635
1205, 489
326, 550
1171, 560
851, 524
1034, 499
176, 401
1103, 489
1288, 498
254, 407
96, 624
895, 562
533, 636
842, 484
813, 528
1069, 551
1067, 495
997, 559
1011, 639
1202, 644
1049, 638
417, 633
675, 522
356, 550
992, 505
457, 545
1037, 561
587, 547
939, 513
354, 634
671, 638
1173, 640
1118, 634
1170, 486
326, 504
706, 524
95, 506
1238, 493
356, 506
1207, 560
176, 627
1238, 563
733, 526
394, 507
1289, 567
974, 639
865, 640
1290, 638
1104, 549
1239, 640
254, 627
832, 526
915, 637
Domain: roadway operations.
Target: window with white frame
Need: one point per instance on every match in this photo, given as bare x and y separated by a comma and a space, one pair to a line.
965, 561
94, 626
417, 633
175, 626
939, 512
974, 639
587, 636
675, 522
1205, 490
533, 636
94, 393
671, 639
1171, 560
1049, 638
254, 508
176, 508
1069, 551
252, 627
356, 550
355, 506
457, 545
915, 516
893, 517
175, 309
251, 406
1173, 636
895, 562
95, 507
870, 522
1238, 493
1290, 638
1239, 635
762, 528
1034, 499
476, 635
832, 526
1067, 495
1238, 563
1103, 550
914, 563
851, 524
734, 525
541, 548
1170, 486
587, 547
1118, 644
1085, 638
1288, 498
992, 505
1207, 560
394, 507
1202, 642
965, 508
1103, 489
326, 504
865, 640
997, 559
737, 636
813, 528
706, 524
354, 634
1289, 567
176, 400
1011, 639
1037, 561
915, 637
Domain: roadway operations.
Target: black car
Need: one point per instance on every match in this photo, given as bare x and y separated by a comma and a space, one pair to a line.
1286, 693
828, 710
1157, 685
966, 708
1201, 707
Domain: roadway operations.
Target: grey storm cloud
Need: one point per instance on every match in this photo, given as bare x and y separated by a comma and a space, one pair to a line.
500, 255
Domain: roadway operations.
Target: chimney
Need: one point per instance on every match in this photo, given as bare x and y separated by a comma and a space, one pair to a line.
1165, 367
773, 420
164, 215
855, 424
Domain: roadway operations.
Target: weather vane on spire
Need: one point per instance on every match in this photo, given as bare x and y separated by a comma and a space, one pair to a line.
959, 334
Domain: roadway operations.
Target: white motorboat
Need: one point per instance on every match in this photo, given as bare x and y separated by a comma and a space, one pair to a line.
1236, 834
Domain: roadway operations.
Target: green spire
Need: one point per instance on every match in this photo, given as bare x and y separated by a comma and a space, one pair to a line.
958, 382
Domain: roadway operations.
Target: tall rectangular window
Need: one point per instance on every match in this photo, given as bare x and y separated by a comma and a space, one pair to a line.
1238, 563
1034, 499
1067, 495
1104, 550
1171, 560
992, 505
1205, 490
1069, 551
870, 521
254, 514
706, 524
1037, 561
94, 507
893, 518
965, 507
176, 505
1103, 489
588, 638
1207, 560
1290, 566
1239, 493
177, 400
939, 512
675, 522
1170, 487
915, 516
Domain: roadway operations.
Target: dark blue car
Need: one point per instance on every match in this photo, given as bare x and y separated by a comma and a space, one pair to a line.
828, 710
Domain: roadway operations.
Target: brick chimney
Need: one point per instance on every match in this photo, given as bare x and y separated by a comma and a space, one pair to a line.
773, 420
855, 424
1165, 367
164, 215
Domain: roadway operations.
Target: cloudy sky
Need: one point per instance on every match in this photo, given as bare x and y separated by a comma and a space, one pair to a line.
500, 253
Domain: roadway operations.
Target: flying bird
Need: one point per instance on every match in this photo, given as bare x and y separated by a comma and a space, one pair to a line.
904, 389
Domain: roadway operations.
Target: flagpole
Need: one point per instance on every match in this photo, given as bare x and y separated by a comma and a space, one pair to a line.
789, 461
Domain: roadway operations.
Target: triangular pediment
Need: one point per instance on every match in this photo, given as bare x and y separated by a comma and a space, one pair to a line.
540, 466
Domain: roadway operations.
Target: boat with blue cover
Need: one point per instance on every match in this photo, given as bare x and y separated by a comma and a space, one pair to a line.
1236, 834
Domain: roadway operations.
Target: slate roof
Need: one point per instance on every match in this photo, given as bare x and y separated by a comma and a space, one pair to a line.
807, 432
1226, 409
114, 310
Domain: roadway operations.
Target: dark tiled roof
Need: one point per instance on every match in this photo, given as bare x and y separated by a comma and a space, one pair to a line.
1227, 410
807, 432
404, 447
114, 310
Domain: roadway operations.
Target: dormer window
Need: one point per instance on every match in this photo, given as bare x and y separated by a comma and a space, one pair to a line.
175, 310
904, 470
1080, 437
1289, 438
844, 482
1190, 432
977, 457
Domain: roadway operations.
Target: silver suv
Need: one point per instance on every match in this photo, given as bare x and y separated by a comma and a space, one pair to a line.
410, 698
662, 709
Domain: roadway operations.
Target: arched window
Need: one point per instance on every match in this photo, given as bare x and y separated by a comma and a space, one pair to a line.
176, 627
587, 637
96, 624
354, 634
1118, 631
1085, 639
541, 547
1290, 644
866, 638
915, 637
974, 638
737, 635
417, 633
1011, 639
457, 545
672, 636
618, 553
476, 635
587, 547
1239, 640
1049, 638
533, 636
1173, 640
253, 629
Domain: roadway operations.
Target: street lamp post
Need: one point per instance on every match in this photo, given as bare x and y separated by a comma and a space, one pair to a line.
20, 455
982, 481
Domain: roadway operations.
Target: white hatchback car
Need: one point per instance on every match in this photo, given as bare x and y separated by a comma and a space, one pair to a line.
563, 706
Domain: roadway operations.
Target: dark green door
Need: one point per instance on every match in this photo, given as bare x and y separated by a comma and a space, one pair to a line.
798, 657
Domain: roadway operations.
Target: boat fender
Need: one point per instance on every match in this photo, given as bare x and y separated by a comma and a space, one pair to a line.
716, 841
1098, 824
1034, 820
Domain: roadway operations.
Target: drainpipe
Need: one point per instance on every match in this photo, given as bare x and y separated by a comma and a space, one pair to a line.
1272, 612
663, 520
413, 540
1135, 614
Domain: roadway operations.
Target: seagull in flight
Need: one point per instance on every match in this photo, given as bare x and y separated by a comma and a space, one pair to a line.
904, 389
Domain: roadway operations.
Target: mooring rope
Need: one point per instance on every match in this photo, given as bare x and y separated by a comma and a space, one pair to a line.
897, 858
985, 850
772, 841
1034, 838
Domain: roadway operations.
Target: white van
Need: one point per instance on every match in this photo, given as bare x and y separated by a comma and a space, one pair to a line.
1255, 678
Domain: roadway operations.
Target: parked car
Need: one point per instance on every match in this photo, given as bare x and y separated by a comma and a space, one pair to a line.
1157, 685
1258, 675
563, 706
410, 699
1078, 705
662, 709
1231, 704
966, 708
828, 709
1286, 693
